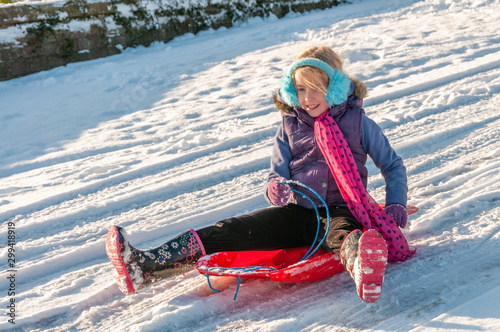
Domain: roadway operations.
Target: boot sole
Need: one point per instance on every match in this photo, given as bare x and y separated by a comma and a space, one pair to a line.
372, 261
113, 249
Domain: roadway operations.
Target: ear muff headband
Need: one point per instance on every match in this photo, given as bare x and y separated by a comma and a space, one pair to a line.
337, 91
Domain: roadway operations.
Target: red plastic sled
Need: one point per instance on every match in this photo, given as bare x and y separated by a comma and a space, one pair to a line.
279, 265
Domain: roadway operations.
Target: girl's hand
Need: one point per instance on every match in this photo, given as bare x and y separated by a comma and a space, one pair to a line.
278, 193
398, 213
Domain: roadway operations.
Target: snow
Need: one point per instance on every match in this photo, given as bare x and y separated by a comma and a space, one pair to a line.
179, 135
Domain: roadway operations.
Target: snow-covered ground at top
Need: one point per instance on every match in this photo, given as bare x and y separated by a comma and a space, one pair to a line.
179, 135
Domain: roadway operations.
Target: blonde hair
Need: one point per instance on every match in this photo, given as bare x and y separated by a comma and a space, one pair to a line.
313, 77
324, 54
327, 55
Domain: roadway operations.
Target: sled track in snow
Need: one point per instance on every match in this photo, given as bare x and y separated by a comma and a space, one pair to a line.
450, 75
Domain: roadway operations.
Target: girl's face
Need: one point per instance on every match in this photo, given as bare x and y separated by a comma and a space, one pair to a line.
311, 100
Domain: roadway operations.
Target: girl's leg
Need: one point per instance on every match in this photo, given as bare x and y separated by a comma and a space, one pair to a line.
267, 229
342, 223
272, 228
278, 228
364, 255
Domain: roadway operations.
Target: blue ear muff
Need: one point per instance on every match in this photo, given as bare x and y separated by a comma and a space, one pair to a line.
338, 88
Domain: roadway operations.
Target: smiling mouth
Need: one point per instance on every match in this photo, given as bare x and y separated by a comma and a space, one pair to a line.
312, 107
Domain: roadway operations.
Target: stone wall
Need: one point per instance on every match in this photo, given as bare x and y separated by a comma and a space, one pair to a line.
43, 36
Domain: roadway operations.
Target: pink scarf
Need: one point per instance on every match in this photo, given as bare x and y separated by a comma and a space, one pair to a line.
341, 162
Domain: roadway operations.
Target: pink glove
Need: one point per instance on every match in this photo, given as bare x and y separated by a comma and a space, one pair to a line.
278, 193
398, 213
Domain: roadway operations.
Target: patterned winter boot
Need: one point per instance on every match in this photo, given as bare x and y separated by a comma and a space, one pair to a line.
139, 268
364, 256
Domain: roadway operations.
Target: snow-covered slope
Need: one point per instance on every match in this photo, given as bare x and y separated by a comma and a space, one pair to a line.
179, 135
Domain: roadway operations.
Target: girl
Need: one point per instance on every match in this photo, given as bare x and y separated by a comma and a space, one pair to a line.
323, 142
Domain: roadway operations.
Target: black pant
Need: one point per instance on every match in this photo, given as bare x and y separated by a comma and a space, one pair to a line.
279, 228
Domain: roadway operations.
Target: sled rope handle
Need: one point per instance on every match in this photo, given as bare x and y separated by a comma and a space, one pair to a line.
308, 254
237, 288
209, 285
218, 291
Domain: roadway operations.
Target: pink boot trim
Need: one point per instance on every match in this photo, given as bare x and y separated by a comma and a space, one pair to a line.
114, 251
372, 259
203, 252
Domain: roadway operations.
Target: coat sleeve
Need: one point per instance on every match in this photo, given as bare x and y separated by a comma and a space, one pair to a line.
280, 158
385, 158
